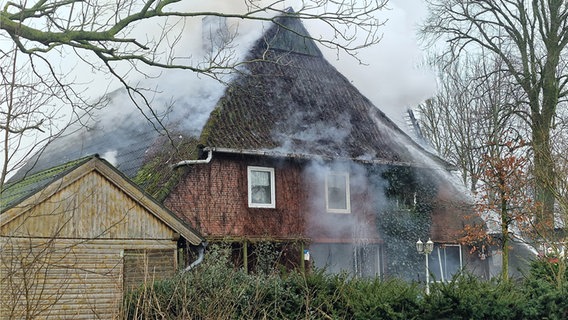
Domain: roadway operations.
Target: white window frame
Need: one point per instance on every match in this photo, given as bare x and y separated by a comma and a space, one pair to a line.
272, 203
347, 193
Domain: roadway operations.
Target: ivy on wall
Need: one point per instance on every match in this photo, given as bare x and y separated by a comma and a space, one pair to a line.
404, 216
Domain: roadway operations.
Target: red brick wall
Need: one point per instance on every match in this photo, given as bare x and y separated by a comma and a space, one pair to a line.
213, 198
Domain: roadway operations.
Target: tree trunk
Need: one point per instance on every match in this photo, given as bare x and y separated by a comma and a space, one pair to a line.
505, 235
545, 181
541, 126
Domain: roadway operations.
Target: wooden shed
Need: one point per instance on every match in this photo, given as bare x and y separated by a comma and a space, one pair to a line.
73, 238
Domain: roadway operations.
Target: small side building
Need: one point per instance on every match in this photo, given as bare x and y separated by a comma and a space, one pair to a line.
75, 237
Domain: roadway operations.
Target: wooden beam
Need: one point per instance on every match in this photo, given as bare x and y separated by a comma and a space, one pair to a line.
245, 255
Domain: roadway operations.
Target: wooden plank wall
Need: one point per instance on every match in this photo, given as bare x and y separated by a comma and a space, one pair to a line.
69, 279
91, 207
145, 266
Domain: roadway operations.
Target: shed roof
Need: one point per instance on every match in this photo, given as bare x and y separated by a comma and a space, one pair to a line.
19, 196
17, 191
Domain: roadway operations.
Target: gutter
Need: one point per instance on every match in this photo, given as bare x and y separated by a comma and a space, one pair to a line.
190, 162
271, 153
305, 156
199, 259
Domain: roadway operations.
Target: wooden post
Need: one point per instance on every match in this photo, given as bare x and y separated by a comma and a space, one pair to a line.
245, 255
180, 263
302, 262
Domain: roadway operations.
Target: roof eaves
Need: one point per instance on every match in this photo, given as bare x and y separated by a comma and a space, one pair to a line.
305, 156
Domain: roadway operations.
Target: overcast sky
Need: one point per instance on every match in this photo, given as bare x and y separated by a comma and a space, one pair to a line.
390, 78
393, 79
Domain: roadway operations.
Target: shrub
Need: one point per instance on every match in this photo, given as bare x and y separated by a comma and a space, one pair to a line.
216, 290
376, 299
467, 297
546, 289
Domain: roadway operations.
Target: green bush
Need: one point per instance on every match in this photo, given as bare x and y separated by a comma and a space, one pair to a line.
376, 299
467, 297
216, 290
546, 289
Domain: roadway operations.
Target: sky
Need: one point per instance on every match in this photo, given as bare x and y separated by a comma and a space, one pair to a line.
389, 76
392, 78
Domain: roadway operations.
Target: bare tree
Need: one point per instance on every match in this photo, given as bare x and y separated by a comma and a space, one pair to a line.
126, 41
450, 120
473, 121
468, 113
35, 108
530, 37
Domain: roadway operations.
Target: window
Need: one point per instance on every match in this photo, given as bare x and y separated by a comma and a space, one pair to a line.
261, 192
357, 260
445, 261
337, 193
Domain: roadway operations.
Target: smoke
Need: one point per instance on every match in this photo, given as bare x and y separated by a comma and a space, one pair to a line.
110, 156
391, 73
326, 225
184, 99
173, 99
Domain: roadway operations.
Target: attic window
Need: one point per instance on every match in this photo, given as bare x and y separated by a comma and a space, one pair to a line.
261, 190
337, 197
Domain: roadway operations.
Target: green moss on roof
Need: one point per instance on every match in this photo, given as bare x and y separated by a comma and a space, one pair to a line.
16, 192
157, 176
211, 123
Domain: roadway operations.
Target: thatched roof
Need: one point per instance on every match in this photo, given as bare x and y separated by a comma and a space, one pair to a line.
292, 101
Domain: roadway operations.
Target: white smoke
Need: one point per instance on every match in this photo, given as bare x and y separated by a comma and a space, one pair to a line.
390, 74
182, 98
340, 225
110, 156
390, 77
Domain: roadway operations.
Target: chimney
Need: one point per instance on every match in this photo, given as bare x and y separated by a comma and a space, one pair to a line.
215, 33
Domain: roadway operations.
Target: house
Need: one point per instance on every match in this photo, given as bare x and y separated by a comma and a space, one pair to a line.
75, 237
294, 156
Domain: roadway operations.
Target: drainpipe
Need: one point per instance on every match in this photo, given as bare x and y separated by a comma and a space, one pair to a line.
203, 244
199, 259
190, 162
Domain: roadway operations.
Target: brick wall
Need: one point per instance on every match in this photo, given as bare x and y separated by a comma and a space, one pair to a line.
213, 198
